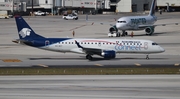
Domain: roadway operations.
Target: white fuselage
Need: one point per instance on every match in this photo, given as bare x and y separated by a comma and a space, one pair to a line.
135, 22
117, 45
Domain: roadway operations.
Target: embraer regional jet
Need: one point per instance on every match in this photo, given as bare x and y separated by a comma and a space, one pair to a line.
135, 23
106, 48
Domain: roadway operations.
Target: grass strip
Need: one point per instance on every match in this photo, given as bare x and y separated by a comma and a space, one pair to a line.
87, 71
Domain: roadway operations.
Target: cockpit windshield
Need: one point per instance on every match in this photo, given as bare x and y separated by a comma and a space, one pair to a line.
154, 43
121, 21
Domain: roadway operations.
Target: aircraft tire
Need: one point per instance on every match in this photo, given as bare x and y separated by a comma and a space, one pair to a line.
118, 34
89, 57
126, 33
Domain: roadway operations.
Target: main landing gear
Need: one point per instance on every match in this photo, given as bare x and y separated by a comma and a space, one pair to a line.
89, 57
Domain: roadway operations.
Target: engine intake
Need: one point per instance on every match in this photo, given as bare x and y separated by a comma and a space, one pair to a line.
108, 54
149, 30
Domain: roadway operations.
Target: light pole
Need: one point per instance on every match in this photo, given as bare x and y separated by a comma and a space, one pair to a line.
32, 8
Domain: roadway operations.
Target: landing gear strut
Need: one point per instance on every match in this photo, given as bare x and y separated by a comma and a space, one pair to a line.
89, 57
147, 56
118, 34
124, 33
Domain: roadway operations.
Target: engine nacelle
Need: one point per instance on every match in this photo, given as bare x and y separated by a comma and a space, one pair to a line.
113, 29
149, 30
109, 54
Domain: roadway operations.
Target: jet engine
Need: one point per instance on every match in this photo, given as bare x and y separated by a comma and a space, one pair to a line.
113, 29
149, 30
108, 54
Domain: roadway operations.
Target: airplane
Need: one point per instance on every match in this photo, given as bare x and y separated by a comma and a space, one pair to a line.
136, 23
107, 48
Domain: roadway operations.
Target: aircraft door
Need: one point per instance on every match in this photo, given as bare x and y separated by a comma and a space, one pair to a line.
145, 45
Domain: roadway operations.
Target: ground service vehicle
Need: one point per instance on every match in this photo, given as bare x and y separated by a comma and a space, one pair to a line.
4, 15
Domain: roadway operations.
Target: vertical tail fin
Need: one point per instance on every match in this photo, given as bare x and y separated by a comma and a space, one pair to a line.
153, 7
24, 30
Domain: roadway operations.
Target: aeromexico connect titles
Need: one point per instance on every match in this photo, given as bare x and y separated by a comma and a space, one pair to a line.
135, 23
106, 48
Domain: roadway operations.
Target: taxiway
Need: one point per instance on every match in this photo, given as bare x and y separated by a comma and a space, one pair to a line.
15, 55
90, 87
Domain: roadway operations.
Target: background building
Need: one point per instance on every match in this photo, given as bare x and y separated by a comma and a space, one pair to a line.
87, 6
131, 5
6, 5
169, 5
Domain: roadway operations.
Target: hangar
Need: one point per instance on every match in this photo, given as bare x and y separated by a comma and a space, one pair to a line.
168, 5
131, 5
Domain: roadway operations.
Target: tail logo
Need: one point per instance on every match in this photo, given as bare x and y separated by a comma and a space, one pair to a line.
25, 32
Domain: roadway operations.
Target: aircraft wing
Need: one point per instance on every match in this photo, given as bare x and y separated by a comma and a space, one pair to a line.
144, 26
89, 49
166, 24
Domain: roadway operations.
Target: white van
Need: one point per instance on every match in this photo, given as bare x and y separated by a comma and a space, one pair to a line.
4, 15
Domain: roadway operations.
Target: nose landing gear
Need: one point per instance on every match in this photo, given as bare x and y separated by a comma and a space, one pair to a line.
124, 33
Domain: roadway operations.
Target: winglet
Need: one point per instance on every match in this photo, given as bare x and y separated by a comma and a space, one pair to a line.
79, 46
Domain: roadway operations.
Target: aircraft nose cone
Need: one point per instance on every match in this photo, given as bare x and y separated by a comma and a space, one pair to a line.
119, 26
162, 49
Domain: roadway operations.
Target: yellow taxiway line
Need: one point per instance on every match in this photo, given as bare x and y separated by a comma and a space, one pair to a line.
11, 60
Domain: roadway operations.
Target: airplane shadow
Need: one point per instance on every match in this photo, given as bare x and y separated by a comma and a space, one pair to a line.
144, 34
158, 33
96, 58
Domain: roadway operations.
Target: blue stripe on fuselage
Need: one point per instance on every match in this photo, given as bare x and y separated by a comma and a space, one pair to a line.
41, 42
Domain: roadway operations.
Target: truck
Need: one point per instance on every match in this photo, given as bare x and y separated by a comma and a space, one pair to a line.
4, 15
